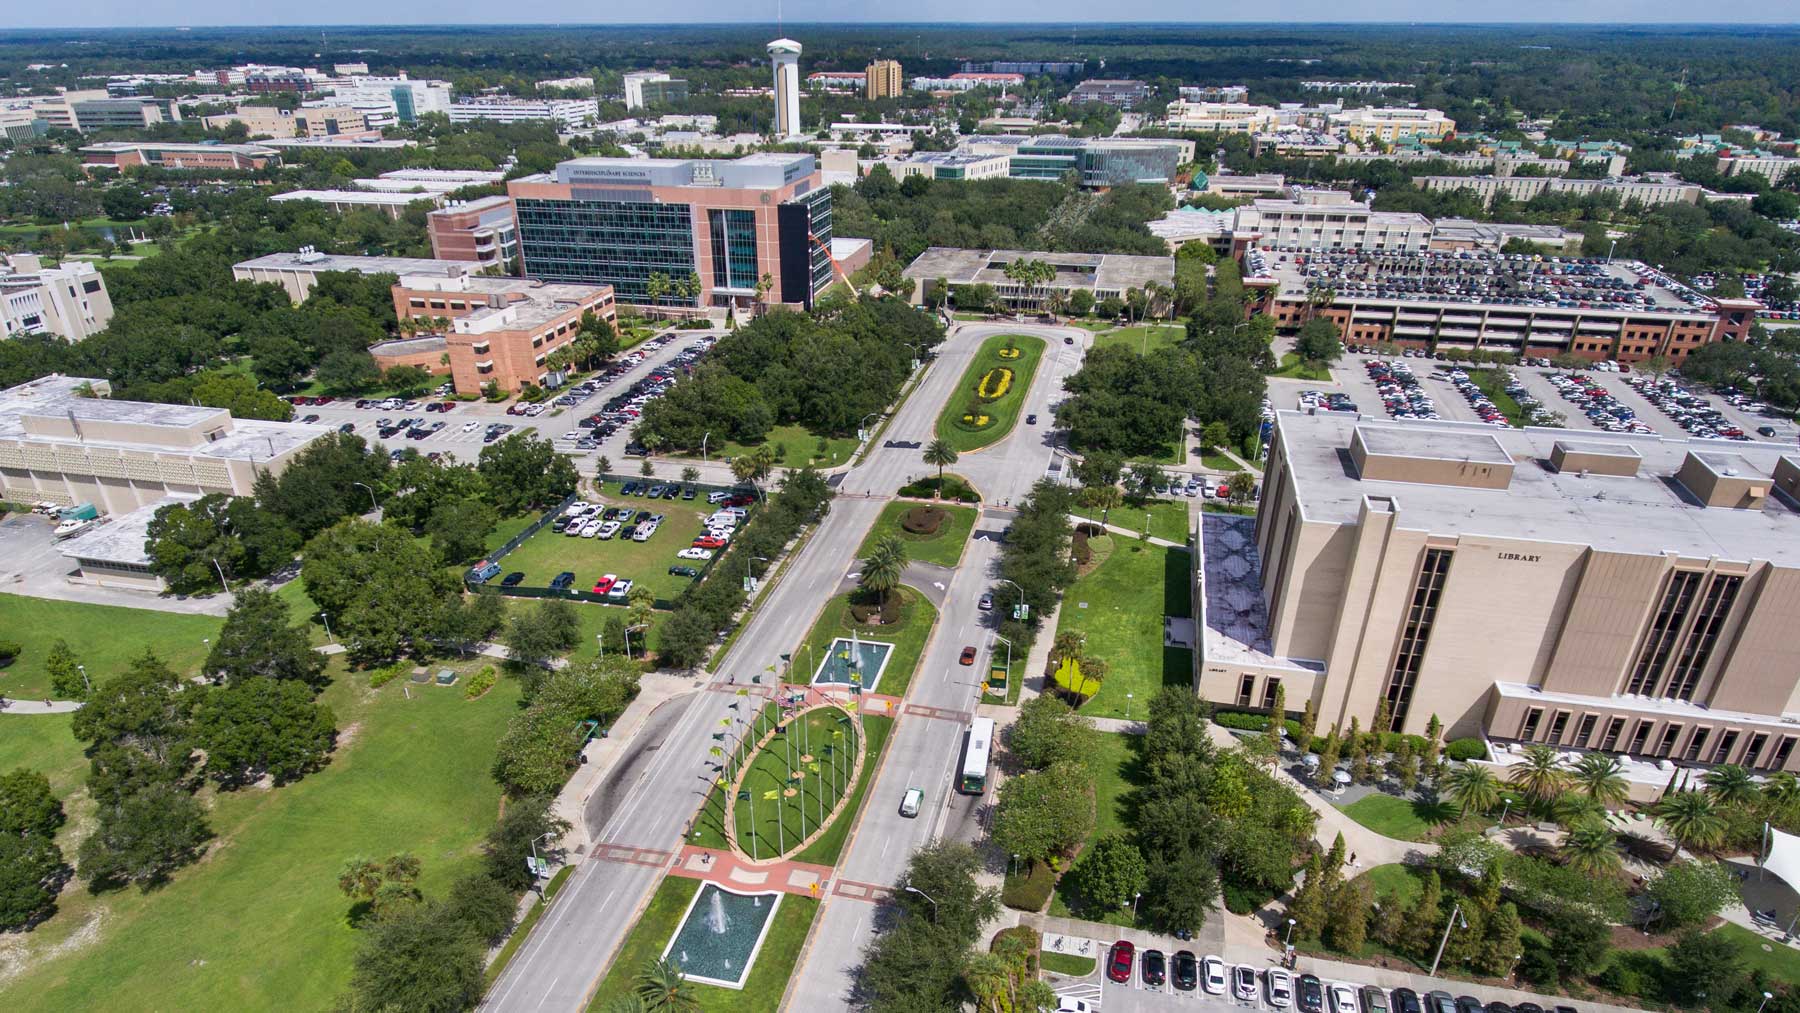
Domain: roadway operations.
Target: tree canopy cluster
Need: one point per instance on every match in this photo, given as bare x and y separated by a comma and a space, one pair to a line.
921, 961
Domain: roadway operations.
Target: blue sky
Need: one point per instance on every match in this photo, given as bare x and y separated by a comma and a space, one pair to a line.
131, 13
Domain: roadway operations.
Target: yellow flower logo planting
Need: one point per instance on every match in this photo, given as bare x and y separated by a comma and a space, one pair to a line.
1009, 353
994, 384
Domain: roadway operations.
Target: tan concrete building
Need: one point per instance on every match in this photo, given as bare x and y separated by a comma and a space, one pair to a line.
1389, 124
882, 80
58, 445
1592, 591
502, 330
1523, 188
299, 271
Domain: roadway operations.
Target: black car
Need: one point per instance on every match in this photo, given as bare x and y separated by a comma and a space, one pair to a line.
1311, 994
1528, 1007
513, 579
1439, 1002
348, 427
688, 493
560, 523
1031, 420
1499, 1007
1405, 1000
629, 489
563, 581
671, 492
1186, 970
1765, 430
1152, 968
1469, 1004
683, 571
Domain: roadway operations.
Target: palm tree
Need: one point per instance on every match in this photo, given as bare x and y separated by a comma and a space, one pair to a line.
1102, 498
1542, 776
656, 286
1730, 784
1473, 787
1782, 788
1572, 808
882, 570
939, 455
1591, 848
1600, 777
664, 989
1691, 818
754, 466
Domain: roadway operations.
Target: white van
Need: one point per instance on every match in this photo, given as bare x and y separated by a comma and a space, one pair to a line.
911, 801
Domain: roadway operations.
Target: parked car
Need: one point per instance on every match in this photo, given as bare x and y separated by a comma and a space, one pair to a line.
1119, 960
563, 581
513, 579
620, 589
1312, 994
604, 584
683, 571
1374, 999
1212, 975
484, 572
1184, 970
1280, 986
1243, 983
691, 553
1440, 1002
350, 427
1153, 969
709, 542
968, 656
1405, 1000
986, 604
910, 802
1470, 1004
1343, 998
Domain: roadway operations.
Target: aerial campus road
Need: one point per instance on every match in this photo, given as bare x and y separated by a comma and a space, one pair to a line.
637, 817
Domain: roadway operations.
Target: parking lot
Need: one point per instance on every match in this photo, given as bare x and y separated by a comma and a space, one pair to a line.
646, 563
465, 426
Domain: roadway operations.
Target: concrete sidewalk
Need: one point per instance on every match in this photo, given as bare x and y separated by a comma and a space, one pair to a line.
9, 705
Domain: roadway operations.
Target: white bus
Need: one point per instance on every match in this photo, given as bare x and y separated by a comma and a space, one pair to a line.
976, 752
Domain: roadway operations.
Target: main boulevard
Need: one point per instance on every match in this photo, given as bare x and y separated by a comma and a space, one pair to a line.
645, 803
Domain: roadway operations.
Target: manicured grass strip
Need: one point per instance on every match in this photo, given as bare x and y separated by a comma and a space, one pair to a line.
830, 845
768, 976
1398, 818
1396, 882
943, 548
1003, 412
798, 447
1066, 964
43, 743
105, 638
526, 924
766, 826
260, 924
1493, 383
1168, 518
1143, 338
1295, 368
1775, 959
908, 637
1120, 606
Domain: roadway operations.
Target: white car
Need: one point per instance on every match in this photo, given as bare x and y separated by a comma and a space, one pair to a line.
470, 426
619, 590
1343, 998
607, 529
692, 553
1212, 975
1243, 983
643, 532
592, 528
1281, 987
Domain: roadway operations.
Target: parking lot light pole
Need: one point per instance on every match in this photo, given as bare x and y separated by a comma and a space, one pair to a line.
703, 440
84, 679
747, 561
600, 642
1289, 938
934, 905
1455, 916
1017, 588
536, 877
374, 507
328, 634
1134, 900
1504, 810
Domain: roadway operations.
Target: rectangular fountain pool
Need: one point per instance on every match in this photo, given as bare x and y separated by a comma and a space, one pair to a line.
720, 934
868, 659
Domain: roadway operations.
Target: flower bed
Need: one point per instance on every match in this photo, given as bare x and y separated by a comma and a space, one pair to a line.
977, 421
1008, 353
994, 384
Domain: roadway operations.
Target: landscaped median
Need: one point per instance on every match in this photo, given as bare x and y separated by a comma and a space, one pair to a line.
992, 392
933, 532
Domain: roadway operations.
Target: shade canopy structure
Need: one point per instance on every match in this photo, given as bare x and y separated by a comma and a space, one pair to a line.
1783, 856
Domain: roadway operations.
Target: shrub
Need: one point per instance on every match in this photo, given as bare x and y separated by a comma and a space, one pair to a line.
1466, 749
10, 649
1029, 890
1083, 553
388, 673
482, 682
1244, 721
922, 520
954, 489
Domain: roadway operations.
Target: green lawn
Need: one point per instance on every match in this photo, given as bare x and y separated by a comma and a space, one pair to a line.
765, 826
908, 638
548, 553
1002, 412
1142, 338
943, 548
1393, 882
1775, 959
1398, 818
43, 743
260, 923
1097, 326
1114, 761
830, 845
105, 638
1294, 369
768, 976
1066, 964
1120, 606
1493, 383
1215, 461
797, 446
1168, 518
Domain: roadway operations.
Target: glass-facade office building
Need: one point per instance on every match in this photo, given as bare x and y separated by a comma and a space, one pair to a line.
717, 225
1098, 162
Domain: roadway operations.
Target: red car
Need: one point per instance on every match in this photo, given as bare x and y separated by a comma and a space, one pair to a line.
968, 656
1118, 962
709, 542
743, 499
1223, 491
604, 584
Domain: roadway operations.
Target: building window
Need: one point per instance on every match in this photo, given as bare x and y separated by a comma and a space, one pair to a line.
1269, 688
1528, 728
1641, 736
1782, 750
1659, 640
1727, 742
1428, 586
1246, 690
1715, 608
1667, 746
1614, 727
1754, 752
1585, 730
1695, 744
1557, 725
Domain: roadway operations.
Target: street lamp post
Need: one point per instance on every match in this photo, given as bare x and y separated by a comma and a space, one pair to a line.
536, 864
1008, 644
84, 679
1017, 588
1289, 938
1134, 900
703, 440
747, 562
628, 629
600, 643
1455, 916
1765, 1001
934, 904
373, 506
221, 571
1128, 706
328, 634
1504, 810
